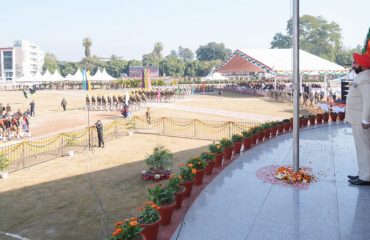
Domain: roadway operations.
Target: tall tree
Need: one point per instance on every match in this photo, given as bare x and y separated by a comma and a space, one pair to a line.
153, 58
213, 51
185, 54
173, 66
317, 36
50, 63
87, 43
116, 67
68, 68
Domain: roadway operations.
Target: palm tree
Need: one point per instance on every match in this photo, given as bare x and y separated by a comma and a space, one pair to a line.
157, 51
86, 42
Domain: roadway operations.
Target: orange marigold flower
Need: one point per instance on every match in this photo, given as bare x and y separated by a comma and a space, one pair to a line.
118, 231
180, 177
194, 171
133, 219
158, 208
133, 223
190, 165
118, 223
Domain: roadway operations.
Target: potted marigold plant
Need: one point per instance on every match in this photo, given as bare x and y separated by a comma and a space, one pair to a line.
255, 133
158, 162
312, 119
4, 163
164, 197
341, 116
247, 139
266, 127
128, 229
325, 117
237, 142
149, 219
333, 116
179, 190
218, 151
209, 159
303, 121
187, 175
286, 124
227, 145
280, 127
274, 128
199, 164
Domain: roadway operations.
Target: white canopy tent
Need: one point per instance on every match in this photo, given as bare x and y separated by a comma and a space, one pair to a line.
101, 76
56, 77
46, 77
215, 76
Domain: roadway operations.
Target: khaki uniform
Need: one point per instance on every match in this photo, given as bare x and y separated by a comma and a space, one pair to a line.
357, 111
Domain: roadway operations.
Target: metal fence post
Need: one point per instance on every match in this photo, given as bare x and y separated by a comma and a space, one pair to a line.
195, 128
230, 129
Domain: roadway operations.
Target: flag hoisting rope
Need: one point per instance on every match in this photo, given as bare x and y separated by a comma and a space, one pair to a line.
296, 84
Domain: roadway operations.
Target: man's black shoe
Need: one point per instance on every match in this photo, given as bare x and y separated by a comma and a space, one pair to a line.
359, 182
352, 177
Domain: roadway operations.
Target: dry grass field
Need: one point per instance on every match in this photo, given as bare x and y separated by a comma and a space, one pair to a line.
81, 197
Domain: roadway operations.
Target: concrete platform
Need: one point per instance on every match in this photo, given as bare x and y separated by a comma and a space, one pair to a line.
237, 205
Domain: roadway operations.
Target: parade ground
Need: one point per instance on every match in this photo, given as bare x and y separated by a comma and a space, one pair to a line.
68, 197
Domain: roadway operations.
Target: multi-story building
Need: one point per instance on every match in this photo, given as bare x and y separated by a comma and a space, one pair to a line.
23, 59
7, 64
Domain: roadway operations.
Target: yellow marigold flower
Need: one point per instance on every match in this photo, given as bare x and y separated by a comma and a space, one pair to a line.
190, 165
194, 171
218, 146
133, 223
200, 163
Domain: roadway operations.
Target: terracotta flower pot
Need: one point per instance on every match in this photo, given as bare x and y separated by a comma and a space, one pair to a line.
333, 117
341, 116
304, 122
218, 160
319, 118
312, 120
261, 136
150, 231
179, 197
209, 168
286, 126
254, 138
247, 142
228, 152
166, 213
236, 147
198, 180
325, 117
267, 133
274, 131
188, 187
280, 129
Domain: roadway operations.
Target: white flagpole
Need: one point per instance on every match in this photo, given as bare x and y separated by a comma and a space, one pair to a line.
296, 85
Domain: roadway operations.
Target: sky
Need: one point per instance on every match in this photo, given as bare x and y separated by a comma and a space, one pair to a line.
129, 28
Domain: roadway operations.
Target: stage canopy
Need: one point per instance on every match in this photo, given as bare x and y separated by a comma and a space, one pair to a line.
215, 77
277, 62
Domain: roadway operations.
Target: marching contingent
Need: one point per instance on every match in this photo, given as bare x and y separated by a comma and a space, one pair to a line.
134, 100
13, 125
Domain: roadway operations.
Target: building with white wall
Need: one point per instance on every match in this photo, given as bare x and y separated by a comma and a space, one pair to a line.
23, 59
7, 64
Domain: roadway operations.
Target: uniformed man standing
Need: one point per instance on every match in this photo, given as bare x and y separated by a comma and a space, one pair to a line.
358, 114
99, 129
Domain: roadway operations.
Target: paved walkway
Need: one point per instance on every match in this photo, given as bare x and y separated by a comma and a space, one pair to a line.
237, 205
248, 116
